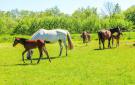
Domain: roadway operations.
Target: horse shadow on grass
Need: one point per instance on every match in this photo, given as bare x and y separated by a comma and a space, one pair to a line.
105, 48
27, 64
35, 59
45, 58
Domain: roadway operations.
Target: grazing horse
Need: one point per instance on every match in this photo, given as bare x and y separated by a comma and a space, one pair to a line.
85, 36
51, 36
106, 34
31, 44
117, 37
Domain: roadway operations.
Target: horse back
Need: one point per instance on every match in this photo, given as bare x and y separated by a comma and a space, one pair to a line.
30, 44
105, 34
40, 42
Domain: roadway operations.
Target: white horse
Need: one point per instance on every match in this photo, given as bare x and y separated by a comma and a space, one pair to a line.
51, 36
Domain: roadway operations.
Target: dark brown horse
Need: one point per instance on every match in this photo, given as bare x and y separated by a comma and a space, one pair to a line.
31, 44
106, 35
85, 37
117, 37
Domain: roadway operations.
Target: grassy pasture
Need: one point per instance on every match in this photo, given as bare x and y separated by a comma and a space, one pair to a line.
84, 65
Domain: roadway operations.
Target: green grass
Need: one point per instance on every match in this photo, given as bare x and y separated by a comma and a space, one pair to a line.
84, 65
76, 37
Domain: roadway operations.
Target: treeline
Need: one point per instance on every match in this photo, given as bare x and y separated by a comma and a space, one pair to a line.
27, 22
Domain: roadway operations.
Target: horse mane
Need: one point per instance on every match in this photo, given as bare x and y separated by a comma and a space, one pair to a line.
23, 39
112, 30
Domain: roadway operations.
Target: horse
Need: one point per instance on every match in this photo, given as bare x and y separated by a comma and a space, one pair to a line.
85, 37
52, 36
106, 34
31, 44
117, 37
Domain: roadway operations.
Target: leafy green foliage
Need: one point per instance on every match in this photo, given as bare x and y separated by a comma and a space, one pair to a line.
27, 22
130, 14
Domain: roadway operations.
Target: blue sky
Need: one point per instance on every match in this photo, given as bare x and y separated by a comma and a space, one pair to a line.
66, 6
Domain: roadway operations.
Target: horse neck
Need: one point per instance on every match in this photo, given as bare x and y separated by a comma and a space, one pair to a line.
22, 42
113, 31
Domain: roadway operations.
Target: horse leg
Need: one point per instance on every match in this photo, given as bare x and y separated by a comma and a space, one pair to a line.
99, 43
83, 39
88, 38
29, 54
117, 43
109, 43
61, 47
65, 44
103, 42
41, 54
44, 49
112, 41
23, 55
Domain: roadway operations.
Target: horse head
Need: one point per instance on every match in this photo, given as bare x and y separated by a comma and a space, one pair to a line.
117, 30
16, 41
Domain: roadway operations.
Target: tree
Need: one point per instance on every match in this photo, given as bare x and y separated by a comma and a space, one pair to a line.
110, 8
130, 14
53, 11
116, 9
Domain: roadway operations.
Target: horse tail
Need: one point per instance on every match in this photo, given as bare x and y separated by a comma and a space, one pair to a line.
70, 44
100, 37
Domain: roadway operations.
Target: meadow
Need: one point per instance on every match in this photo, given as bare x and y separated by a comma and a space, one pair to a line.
84, 65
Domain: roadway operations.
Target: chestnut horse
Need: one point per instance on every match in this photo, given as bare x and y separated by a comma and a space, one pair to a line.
31, 44
85, 37
107, 35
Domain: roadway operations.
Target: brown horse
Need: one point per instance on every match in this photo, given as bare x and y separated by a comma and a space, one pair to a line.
106, 35
117, 37
86, 37
31, 44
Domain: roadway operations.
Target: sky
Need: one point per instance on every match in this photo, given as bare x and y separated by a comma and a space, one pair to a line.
66, 6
